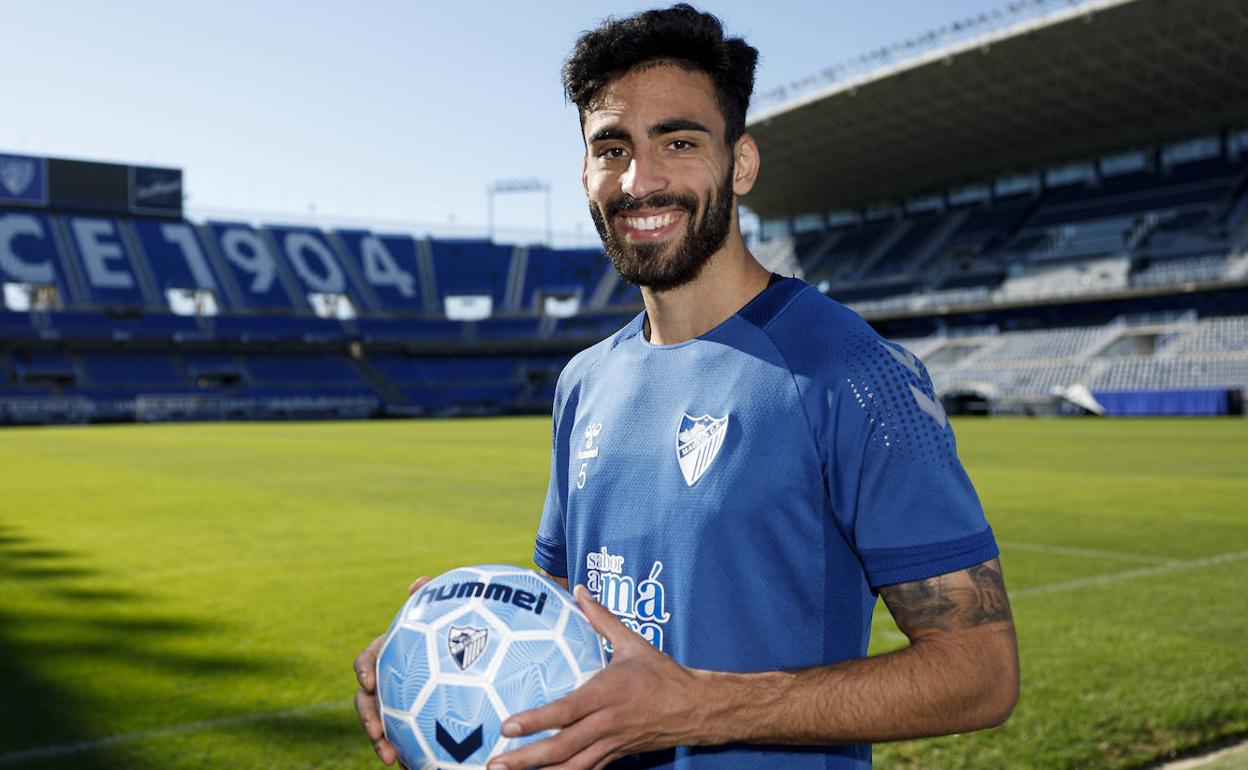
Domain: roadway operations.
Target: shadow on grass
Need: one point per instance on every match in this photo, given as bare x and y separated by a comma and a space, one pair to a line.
49, 622
92, 594
317, 732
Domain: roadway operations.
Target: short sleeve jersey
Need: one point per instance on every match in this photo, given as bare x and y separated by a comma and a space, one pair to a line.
739, 498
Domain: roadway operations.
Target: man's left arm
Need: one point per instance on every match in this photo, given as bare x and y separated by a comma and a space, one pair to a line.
959, 673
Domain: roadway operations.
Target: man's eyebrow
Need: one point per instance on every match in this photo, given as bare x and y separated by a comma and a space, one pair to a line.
608, 133
672, 125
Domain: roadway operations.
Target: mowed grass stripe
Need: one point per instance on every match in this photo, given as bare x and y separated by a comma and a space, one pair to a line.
82, 747
159, 576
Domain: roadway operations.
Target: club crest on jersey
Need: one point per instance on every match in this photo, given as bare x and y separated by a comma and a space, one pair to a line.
466, 644
698, 441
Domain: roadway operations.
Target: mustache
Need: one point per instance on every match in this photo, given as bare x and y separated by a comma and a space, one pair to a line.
626, 203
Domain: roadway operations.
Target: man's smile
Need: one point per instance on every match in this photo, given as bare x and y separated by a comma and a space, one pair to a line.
650, 224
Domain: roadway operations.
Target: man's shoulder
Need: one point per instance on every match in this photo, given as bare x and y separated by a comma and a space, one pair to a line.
812, 331
830, 349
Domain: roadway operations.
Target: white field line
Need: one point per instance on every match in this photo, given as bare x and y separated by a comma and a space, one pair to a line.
1059, 550
69, 749
1210, 758
1131, 574
1174, 565
79, 747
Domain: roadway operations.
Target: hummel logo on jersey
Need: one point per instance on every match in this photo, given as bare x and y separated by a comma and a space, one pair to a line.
590, 451
698, 441
466, 644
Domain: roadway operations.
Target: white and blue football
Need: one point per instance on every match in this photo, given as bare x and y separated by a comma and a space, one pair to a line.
469, 649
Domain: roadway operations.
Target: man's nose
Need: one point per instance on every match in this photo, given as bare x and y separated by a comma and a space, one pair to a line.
643, 176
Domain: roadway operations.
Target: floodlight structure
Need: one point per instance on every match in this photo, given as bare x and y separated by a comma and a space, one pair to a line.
513, 186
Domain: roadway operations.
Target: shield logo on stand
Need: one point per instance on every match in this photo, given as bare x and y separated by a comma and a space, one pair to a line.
698, 441
17, 174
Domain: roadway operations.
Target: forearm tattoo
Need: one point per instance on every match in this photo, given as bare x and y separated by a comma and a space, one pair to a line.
970, 597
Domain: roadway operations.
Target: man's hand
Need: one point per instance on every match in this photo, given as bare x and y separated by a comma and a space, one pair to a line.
366, 697
960, 673
642, 701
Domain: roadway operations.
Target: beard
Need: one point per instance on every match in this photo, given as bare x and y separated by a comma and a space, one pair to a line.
643, 264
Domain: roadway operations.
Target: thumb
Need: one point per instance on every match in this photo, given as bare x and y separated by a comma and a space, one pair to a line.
603, 620
417, 584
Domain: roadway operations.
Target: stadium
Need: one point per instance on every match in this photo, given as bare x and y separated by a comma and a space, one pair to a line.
1047, 204
1025, 247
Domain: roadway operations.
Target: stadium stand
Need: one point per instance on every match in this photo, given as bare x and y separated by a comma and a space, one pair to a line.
108, 336
134, 317
1018, 224
561, 272
1021, 234
471, 268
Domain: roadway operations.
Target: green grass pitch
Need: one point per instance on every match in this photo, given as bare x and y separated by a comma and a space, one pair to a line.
191, 596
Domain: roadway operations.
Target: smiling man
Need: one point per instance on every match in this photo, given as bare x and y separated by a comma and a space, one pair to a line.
739, 471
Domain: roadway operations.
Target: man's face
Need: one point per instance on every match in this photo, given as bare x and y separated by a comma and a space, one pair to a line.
658, 175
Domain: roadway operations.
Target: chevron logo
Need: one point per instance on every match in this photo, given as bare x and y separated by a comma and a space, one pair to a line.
930, 405
905, 358
459, 750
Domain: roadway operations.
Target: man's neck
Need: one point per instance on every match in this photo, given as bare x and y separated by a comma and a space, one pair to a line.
730, 279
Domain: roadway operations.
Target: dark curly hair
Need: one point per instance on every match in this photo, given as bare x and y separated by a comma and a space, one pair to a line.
682, 35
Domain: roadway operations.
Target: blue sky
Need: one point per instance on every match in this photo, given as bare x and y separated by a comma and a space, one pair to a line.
394, 112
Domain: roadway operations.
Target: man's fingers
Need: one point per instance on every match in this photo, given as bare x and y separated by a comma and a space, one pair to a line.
602, 619
385, 752
595, 756
552, 716
365, 665
370, 717
558, 748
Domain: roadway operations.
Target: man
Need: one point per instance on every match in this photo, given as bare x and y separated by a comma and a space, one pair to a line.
741, 469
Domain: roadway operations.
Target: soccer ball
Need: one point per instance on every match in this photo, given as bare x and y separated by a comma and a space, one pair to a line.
469, 649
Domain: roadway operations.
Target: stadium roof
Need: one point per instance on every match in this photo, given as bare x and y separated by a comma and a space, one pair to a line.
1024, 91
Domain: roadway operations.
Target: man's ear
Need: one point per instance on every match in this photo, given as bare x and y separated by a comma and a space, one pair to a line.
745, 161
585, 173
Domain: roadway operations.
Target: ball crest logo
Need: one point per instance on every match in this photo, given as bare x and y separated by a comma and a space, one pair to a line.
466, 644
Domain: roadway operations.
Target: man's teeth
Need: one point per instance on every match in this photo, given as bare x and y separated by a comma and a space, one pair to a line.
651, 223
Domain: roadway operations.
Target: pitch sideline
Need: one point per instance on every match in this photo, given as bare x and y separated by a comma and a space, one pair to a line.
1061, 550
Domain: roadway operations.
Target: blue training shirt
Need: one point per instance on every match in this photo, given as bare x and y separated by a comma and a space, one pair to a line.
739, 498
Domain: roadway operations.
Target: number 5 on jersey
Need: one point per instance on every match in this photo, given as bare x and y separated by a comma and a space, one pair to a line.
587, 453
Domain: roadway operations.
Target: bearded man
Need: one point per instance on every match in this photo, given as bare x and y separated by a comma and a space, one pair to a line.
740, 471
